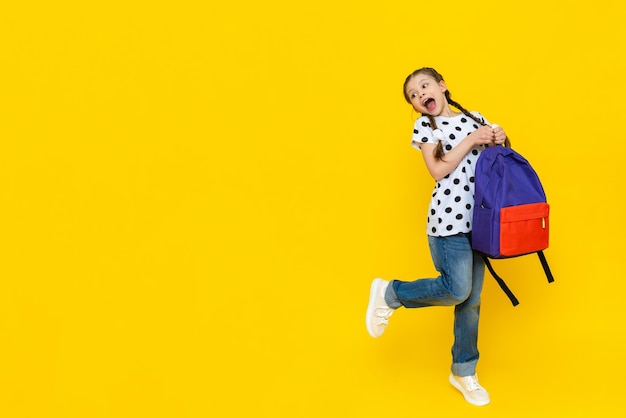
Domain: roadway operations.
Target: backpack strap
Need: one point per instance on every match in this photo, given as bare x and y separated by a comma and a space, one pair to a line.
503, 285
546, 267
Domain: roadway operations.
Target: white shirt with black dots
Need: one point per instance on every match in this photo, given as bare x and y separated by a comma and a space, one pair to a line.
452, 204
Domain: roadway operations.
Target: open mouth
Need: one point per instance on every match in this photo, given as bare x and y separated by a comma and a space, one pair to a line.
430, 104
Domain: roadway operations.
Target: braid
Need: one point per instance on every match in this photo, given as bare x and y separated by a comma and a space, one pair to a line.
433, 123
462, 109
439, 149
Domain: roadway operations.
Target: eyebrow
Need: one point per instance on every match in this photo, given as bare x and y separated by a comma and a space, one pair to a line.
419, 83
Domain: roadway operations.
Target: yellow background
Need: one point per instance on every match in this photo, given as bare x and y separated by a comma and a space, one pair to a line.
196, 195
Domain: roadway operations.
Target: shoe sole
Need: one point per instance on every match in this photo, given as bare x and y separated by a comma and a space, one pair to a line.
458, 387
371, 306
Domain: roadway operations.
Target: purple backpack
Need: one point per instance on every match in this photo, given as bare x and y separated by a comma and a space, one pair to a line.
511, 214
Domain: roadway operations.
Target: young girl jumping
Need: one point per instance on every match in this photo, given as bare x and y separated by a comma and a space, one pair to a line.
450, 142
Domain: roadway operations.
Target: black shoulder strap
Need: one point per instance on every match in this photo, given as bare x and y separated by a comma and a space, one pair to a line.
545, 266
503, 285
505, 288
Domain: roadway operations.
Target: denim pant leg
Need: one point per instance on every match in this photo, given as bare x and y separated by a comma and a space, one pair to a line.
453, 259
459, 284
466, 316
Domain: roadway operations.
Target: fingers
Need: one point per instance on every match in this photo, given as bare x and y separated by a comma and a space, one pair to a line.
498, 134
486, 135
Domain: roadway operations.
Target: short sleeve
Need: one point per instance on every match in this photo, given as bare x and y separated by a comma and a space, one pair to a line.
422, 133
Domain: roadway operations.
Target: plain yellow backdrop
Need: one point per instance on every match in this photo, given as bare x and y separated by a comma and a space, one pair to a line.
196, 195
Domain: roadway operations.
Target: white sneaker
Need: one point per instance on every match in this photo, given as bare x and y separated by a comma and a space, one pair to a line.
471, 389
378, 312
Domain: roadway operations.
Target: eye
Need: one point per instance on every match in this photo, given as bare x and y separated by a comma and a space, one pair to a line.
424, 85
413, 95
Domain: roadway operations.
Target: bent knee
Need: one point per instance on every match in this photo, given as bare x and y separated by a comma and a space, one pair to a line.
459, 295
457, 299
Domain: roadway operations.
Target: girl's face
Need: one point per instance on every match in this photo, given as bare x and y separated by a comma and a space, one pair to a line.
427, 95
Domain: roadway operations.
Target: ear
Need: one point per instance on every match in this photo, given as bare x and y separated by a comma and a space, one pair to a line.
442, 85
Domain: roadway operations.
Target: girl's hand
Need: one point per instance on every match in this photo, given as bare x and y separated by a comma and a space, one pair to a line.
498, 135
483, 135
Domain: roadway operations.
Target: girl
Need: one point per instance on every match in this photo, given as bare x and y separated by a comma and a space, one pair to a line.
450, 142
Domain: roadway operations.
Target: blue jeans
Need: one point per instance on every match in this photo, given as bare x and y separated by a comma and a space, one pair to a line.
460, 283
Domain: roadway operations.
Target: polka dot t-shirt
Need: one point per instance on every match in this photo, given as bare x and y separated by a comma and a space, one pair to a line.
452, 203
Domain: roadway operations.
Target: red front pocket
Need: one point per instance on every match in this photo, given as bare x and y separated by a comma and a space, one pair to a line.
524, 229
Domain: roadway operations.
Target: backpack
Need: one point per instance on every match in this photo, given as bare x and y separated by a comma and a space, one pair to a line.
511, 214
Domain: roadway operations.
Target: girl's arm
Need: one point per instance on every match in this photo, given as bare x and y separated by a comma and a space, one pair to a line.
441, 168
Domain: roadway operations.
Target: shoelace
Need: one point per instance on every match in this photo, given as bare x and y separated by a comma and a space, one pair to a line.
472, 384
383, 315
